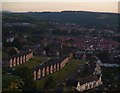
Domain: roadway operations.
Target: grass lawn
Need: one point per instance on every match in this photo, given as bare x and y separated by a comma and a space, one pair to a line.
61, 74
36, 60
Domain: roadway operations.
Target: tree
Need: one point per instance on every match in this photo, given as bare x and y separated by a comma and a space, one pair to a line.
26, 74
17, 43
12, 83
13, 51
16, 84
103, 55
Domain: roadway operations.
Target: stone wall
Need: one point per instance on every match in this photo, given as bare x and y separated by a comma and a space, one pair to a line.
44, 71
20, 59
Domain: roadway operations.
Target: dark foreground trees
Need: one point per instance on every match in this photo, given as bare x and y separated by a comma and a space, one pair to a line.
27, 76
11, 83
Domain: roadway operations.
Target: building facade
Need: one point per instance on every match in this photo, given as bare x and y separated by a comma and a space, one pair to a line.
49, 67
88, 82
18, 59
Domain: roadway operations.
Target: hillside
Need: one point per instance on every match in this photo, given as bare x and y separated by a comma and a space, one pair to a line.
101, 20
97, 19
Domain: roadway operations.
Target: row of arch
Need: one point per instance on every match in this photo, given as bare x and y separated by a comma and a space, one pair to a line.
20, 59
46, 70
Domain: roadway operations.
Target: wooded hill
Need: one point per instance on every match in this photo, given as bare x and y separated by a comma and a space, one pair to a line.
83, 18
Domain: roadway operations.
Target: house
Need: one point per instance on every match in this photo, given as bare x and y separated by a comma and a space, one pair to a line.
88, 77
17, 59
88, 82
49, 67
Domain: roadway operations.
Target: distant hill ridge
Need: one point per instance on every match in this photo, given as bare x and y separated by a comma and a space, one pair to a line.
109, 20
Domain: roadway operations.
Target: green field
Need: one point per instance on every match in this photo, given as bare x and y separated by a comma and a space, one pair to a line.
61, 74
36, 60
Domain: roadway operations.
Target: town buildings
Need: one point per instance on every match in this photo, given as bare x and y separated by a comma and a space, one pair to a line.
93, 79
88, 77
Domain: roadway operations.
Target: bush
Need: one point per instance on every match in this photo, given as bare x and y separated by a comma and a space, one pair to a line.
27, 76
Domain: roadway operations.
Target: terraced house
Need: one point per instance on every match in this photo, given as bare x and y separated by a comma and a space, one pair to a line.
89, 82
17, 59
49, 67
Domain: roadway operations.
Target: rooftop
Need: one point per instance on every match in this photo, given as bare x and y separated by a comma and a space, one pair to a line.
88, 79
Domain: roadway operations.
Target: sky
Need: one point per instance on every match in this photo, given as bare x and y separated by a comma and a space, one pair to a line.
87, 5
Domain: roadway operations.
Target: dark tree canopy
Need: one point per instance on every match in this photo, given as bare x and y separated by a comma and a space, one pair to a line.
27, 76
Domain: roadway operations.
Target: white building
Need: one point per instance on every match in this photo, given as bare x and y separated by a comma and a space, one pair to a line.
88, 82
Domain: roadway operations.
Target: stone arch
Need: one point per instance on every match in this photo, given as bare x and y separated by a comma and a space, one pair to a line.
20, 59
54, 67
43, 72
58, 66
14, 61
51, 69
23, 58
34, 74
47, 70
11, 62
17, 60
39, 74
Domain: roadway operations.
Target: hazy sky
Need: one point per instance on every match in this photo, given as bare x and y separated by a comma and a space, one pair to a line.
60, 6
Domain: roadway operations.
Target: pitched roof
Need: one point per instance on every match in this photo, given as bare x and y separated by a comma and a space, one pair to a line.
50, 62
21, 54
88, 79
72, 82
